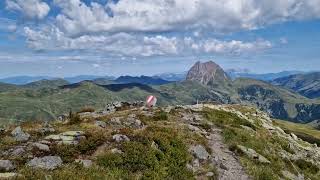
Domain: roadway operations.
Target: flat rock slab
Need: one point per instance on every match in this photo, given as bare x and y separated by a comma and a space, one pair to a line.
47, 162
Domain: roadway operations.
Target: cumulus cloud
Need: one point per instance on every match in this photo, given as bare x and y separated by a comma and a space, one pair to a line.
173, 15
140, 27
51, 38
34, 9
124, 44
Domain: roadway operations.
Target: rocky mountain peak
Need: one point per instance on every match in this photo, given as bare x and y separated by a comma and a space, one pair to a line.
207, 73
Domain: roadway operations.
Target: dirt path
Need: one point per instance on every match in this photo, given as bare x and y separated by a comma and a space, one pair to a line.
227, 164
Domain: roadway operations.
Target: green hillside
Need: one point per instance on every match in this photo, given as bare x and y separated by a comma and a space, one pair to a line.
307, 85
278, 102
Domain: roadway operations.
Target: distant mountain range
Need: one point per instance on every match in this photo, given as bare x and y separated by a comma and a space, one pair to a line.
307, 85
264, 77
169, 77
205, 82
22, 80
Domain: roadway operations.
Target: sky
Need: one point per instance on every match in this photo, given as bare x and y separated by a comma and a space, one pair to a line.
63, 38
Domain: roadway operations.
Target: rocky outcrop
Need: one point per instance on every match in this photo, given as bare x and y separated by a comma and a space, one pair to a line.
199, 152
47, 162
208, 73
6, 165
68, 138
19, 135
120, 138
253, 154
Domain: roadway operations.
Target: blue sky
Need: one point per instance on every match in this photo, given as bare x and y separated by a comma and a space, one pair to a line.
116, 37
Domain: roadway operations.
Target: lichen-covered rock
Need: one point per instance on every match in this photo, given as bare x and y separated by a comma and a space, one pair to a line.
84, 162
68, 138
6, 165
41, 147
73, 133
199, 152
19, 135
253, 154
116, 151
8, 175
101, 124
120, 138
294, 137
47, 162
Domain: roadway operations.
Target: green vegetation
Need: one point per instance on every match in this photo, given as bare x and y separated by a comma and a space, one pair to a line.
156, 152
262, 143
303, 131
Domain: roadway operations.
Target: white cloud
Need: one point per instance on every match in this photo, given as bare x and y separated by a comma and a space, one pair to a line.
140, 28
234, 47
180, 15
124, 44
35, 9
51, 38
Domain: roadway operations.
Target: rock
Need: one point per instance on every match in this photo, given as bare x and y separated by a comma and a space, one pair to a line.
47, 162
19, 135
115, 121
6, 165
2, 130
133, 122
53, 138
247, 128
224, 167
18, 151
9, 175
120, 138
117, 104
294, 137
68, 138
73, 133
84, 162
45, 142
280, 130
41, 147
116, 151
47, 128
101, 124
193, 128
207, 73
253, 154
291, 176
154, 145
199, 152
210, 174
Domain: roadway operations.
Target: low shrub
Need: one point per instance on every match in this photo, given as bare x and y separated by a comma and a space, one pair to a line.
306, 166
74, 118
167, 161
86, 109
160, 116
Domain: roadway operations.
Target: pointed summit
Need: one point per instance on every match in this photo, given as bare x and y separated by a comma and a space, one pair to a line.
208, 73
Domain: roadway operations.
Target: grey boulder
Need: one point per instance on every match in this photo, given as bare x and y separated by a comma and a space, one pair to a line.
120, 138
199, 152
47, 162
6, 165
19, 135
